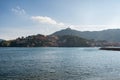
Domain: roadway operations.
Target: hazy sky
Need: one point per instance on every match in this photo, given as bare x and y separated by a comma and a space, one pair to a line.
28, 17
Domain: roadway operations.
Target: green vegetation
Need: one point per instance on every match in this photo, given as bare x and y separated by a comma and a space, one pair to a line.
72, 41
110, 35
46, 41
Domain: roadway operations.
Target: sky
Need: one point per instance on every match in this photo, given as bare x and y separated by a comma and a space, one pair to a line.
29, 17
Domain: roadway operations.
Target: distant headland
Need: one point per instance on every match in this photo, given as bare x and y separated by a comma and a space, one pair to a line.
110, 48
67, 38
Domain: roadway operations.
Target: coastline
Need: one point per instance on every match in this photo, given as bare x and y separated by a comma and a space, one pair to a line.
110, 48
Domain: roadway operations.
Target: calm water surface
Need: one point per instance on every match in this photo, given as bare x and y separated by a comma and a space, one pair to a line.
59, 64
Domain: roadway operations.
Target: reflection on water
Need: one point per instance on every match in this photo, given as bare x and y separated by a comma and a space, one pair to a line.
59, 64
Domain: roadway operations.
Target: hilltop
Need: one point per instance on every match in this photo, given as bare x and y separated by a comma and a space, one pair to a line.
67, 38
111, 35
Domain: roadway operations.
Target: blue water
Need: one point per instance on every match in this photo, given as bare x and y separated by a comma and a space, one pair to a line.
59, 64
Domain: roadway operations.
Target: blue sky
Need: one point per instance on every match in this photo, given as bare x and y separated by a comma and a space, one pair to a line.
29, 17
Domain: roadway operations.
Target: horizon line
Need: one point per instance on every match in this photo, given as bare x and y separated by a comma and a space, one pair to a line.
60, 30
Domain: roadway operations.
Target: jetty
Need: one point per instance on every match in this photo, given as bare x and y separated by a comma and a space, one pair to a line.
110, 48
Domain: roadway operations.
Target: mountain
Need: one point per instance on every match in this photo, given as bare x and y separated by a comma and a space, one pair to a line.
1, 40
111, 35
73, 41
46, 41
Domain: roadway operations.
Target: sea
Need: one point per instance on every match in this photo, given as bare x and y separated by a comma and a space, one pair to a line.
59, 63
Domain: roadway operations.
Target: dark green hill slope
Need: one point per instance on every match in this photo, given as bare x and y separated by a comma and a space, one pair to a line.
108, 35
46, 41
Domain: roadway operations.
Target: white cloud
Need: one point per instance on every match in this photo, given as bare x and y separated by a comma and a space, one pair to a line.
93, 27
46, 20
18, 11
